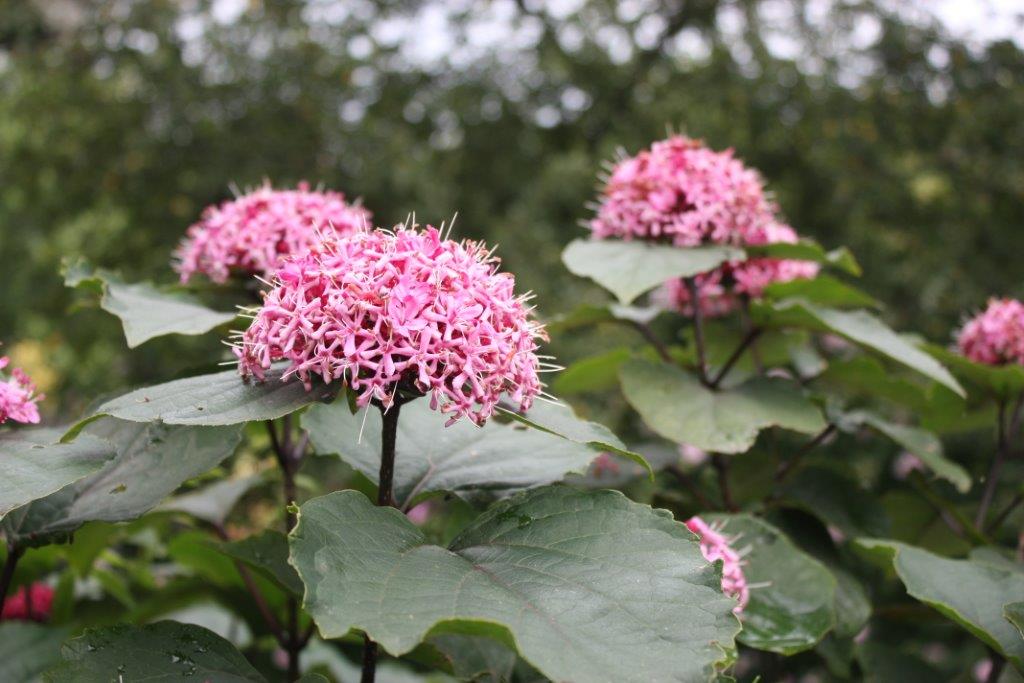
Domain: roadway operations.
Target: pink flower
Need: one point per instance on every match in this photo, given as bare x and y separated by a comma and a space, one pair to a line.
996, 335
406, 310
18, 396
692, 456
682, 193
29, 603
714, 546
256, 232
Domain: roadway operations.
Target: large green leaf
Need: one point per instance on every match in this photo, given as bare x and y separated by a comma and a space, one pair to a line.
859, 327
28, 649
152, 461
598, 373
33, 464
587, 586
824, 290
474, 462
922, 443
266, 552
145, 310
791, 607
1003, 380
212, 503
837, 500
218, 399
675, 405
165, 650
1014, 613
808, 250
969, 592
476, 658
628, 269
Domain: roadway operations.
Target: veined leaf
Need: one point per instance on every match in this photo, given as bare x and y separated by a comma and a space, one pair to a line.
585, 585
1005, 381
266, 552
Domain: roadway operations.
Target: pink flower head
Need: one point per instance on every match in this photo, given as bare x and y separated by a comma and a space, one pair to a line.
996, 335
18, 396
714, 546
408, 310
29, 603
254, 233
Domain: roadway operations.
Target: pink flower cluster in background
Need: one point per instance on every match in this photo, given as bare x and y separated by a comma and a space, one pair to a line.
405, 309
682, 193
29, 603
18, 396
255, 232
996, 335
714, 546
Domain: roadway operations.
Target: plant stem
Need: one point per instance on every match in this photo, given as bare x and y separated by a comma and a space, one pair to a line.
385, 498
998, 662
688, 483
948, 512
748, 325
698, 330
721, 465
789, 466
13, 555
992, 480
749, 339
254, 591
1005, 512
645, 330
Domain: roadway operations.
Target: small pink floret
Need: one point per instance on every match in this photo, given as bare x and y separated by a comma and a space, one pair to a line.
18, 396
254, 233
29, 603
385, 310
996, 335
714, 546
682, 193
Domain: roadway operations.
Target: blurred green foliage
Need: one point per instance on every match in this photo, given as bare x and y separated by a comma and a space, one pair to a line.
120, 121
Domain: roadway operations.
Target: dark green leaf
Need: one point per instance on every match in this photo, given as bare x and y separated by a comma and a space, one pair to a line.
165, 650
836, 499
475, 658
586, 585
824, 290
146, 311
792, 606
28, 649
969, 592
218, 399
675, 405
1014, 613
1002, 380
33, 464
268, 553
883, 664
598, 373
152, 461
628, 269
473, 462
212, 503
808, 250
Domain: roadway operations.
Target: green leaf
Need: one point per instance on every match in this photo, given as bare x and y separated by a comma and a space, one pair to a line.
152, 461
587, 315
146, 312
165, 650
586, 585
33, 464
628, 269
1014, 613
824, 290
675, 405
970, 593
598, 373
883, 664
28, 649
476, 658
792, 606
922, 443
212, 503
325, 656
267, 553
859, 327
218, 399
836, 499
808, 250
1006, 381
476, 463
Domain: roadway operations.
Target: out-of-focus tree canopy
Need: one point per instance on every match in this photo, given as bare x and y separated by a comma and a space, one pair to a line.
120, 120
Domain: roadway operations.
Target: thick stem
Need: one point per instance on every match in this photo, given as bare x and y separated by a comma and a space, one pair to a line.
748, 340
648, 334
13, 555
698, 330
992, 480
385, 498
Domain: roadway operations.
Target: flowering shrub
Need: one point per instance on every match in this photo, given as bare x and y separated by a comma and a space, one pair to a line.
255, 232
780, 487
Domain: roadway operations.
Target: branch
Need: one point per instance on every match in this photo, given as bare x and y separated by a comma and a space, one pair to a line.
995, 470
722, 468
787, 467
698, 330
652, 339
751, 337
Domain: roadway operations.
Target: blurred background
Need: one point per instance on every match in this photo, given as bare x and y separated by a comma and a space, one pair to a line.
896, 128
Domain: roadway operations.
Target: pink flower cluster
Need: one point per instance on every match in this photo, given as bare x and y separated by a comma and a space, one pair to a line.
996, 335
714, 546
29, 603
682, 193
18, 396
254, 233
720, 290
400, 310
